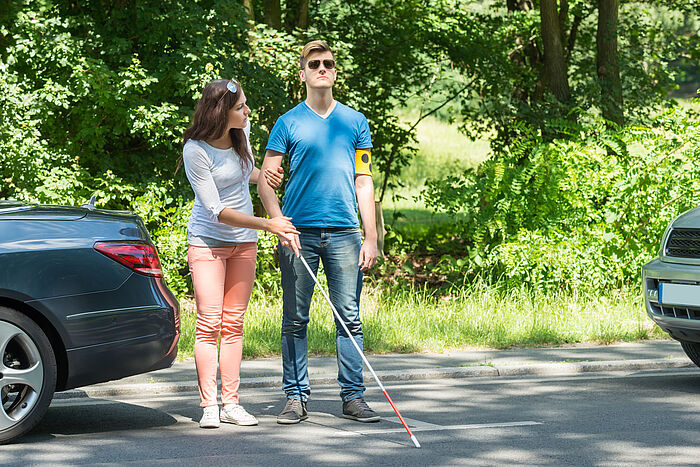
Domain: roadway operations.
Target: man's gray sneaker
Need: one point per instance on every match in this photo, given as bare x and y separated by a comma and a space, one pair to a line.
294, 412
357, 409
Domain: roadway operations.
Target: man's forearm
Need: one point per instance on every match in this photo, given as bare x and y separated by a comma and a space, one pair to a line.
269, 200
266, 192
365, 200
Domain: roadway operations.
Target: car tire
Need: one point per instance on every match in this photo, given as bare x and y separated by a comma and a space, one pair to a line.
27, 374
692, 350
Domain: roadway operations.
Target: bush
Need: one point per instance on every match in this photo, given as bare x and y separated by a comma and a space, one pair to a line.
166, 220
578, 213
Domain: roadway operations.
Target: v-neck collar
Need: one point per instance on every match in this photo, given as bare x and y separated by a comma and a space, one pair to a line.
335, 106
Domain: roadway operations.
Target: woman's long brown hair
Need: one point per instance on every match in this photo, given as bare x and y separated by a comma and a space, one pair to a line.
211, 116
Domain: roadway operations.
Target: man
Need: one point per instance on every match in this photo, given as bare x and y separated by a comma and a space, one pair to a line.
328, 145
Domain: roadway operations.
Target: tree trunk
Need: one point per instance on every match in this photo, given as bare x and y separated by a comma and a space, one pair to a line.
302, 19
272, 13
296, 14
520, 5
248, 5
554, 72
607, 63
563, 19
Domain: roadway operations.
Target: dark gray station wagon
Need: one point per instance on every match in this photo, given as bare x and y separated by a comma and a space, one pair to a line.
82, 301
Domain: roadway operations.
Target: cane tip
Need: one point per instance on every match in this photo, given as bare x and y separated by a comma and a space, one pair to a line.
415, 441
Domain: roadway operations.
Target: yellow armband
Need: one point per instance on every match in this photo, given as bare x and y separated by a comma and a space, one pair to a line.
363, 162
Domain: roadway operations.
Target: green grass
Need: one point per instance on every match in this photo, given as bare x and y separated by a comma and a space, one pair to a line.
417, 320
689, 104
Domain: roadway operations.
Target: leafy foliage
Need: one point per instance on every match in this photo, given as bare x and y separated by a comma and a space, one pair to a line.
94, 99
570, 215
95, 96
497, 55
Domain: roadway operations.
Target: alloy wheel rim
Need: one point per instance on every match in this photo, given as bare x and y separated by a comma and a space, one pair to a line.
21, 375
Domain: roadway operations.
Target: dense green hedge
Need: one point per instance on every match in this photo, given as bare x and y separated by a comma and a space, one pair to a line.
582, 213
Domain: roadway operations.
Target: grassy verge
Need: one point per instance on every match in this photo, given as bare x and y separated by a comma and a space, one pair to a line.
405, 320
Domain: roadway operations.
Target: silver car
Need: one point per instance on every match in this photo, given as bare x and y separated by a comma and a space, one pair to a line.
672, 283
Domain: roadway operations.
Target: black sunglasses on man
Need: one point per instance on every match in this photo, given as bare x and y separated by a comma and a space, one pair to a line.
328, 63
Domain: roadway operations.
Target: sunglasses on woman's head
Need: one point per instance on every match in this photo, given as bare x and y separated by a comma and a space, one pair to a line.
230, 87
327, 63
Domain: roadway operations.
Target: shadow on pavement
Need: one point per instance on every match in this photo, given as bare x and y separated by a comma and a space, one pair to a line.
89, 419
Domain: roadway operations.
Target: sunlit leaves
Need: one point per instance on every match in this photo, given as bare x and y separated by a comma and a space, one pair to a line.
571, 215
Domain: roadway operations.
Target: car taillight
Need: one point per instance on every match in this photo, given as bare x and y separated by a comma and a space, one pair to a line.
139, 257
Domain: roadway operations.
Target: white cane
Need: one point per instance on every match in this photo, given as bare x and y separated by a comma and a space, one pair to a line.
359, 350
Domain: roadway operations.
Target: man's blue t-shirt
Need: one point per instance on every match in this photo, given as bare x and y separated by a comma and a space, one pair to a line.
321, 187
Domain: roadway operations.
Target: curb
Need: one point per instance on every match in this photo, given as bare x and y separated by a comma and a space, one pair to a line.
533, 369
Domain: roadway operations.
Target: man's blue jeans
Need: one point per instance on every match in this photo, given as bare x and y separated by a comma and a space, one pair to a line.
339, 249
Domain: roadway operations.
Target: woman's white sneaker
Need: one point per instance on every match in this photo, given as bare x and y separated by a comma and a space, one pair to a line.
210, 417
234, 413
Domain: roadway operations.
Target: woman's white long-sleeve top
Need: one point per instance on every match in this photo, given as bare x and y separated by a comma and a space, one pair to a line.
220, 179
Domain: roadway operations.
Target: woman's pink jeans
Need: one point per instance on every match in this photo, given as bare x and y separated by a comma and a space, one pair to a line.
223, 281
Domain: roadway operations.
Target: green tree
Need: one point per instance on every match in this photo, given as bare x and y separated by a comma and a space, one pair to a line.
520, 56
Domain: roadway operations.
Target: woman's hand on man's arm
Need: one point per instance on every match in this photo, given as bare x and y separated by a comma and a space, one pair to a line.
273, 177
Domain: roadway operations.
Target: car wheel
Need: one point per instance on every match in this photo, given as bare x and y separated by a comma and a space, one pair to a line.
692, 350
27, 374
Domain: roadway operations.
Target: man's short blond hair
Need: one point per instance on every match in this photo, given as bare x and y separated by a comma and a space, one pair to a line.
311, 47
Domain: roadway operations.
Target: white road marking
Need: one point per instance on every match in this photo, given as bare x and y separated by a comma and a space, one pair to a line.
438, 428
411, 422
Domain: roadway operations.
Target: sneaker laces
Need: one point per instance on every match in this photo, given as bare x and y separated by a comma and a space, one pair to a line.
361, 404
210, 414
293, 405
210, 411
236, 411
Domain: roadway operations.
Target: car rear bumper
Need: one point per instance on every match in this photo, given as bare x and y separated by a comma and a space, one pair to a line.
115, 360
680, 322
155, 349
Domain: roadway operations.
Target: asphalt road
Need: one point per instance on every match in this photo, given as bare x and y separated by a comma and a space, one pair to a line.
633, 418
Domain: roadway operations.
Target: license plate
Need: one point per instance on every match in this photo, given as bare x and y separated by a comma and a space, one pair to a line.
679, 294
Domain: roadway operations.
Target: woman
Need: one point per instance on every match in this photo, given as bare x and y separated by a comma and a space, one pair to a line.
222, 241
